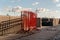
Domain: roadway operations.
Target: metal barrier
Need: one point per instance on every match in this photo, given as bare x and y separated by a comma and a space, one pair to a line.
5, 25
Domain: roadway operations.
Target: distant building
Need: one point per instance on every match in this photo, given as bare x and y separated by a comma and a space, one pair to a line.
47, 22
47, 18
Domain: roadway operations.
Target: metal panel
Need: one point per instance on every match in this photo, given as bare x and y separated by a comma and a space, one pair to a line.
38, 22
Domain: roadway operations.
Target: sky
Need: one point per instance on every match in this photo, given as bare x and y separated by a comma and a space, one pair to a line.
50, 6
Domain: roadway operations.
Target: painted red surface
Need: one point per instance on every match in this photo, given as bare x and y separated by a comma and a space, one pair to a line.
29, 19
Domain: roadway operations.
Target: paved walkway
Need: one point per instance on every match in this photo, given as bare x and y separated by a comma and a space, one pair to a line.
43, 34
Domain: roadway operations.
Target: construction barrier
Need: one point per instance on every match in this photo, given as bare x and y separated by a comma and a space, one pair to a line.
10, 26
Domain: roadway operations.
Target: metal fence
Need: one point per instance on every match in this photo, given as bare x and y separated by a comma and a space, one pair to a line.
5, 25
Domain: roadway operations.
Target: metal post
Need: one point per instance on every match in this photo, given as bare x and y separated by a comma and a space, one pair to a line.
21, 15
2, 29
14, 22
22, 22
8, 24
36, 16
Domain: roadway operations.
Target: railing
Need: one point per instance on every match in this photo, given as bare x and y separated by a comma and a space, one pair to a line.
5, 25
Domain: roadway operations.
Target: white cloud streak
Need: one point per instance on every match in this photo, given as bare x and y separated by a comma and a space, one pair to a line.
56, 1
43, 10
58, 5
36, 3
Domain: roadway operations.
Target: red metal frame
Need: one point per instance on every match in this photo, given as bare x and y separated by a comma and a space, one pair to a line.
29, 20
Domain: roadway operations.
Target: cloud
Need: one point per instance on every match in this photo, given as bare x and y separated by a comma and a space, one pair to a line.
58, 5
56, 1
27, 9
42, 10
12, 9
6, 8
36, 3
17, 9
45, 10
54, 11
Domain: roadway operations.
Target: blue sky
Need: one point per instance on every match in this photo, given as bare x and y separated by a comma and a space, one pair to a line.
50, 4
53, 5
